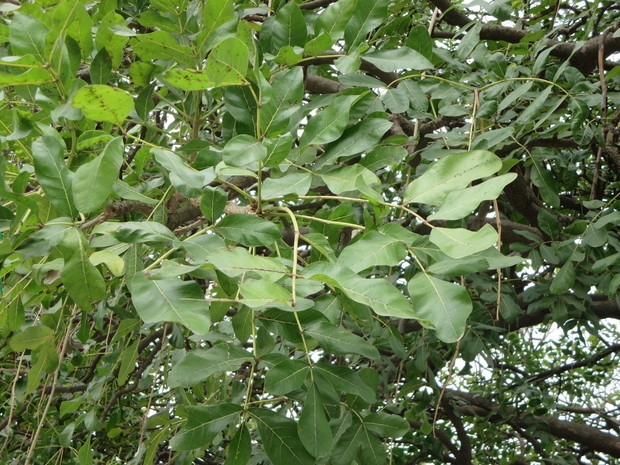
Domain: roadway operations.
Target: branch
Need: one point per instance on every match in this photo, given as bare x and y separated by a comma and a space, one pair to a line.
580, 433
584, 59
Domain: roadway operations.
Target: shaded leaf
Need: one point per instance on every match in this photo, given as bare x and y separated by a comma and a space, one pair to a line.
204, 422
459, 242
248, 230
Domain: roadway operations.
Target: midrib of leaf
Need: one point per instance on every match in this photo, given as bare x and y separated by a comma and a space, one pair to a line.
361, 28
280, 438
174, 309
443, 304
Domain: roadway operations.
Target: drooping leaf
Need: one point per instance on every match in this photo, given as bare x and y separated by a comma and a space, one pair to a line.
187, 180
240, 448
287, 28
280, 439
212, 203
93, 182
243, 150
286, 376
451, 172
367, 16
204, 422
338, 340
228, 63
398, 59
372, 249
313, 427
462, 202
294, 183
445, 305
248, 230
161, 45
564, 278
170, 300
459, 242
199, 364
53, 174
136, 232
31, 338
386, 425
103, 103
329, 124
345, 380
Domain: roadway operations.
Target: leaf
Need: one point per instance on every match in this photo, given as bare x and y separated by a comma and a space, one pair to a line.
352, 178
286, 376
293, 183
189, 79
228, 63
533, 109
398, 59
313, 427
93, 181
170, 300
200, 247
459, 242
372, 249
462, 202
547, 185
240, 448
238, 261
199, 364
328, 124
103, 103
337, 340
243, 150
564, 279
160, 45
280, 439
335, 18
204, 422
212, 203
248, 230
378, 294
187, 180
215, 13
453, 171
288, 27
83, 282
31, 338
281, 101
259, 293
346, 380
386, 425
136, 232
360, 138
53, 174
348, 445
27, 35
446, 305
367, 16
395, 100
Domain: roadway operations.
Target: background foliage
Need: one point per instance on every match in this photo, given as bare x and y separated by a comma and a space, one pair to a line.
332, 232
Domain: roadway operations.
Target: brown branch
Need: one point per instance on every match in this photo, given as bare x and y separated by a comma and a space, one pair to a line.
321, 85
584, 59
314, 4
591, 437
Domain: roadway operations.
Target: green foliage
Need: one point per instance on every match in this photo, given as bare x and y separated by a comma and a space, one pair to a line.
297, 233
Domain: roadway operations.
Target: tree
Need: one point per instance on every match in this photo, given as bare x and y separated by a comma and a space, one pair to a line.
324, 232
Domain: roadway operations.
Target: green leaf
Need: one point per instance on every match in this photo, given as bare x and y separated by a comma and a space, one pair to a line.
313, 427
136, 232
338, 340
212, 203
335, 18
533, 109
240, 448
367, 16
420, 40
31, 338
453, 171
328, 124
53, 174
278, 149
564, 279
93, 181
103, 103
228, 63
204, 422
352, 178
348, 445
199, 364
360, 138
386, 425
215, 13
378, 294
288, 27
462, 202
248, 230
170, 300
286, 376
243, 323
259, 293
189, 79
27, 35
445, 305
396, 100
187, 180
281, 101
200, 247
280, 439
398, 59
417, 98
243, 150
293, 183
83, 281
372, 249
161, 45
345, 380
459, 242
546, 184
238, 261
